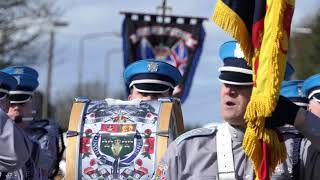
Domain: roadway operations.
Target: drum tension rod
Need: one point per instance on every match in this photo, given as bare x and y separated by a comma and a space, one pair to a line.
72, 133
163, 133
75, 133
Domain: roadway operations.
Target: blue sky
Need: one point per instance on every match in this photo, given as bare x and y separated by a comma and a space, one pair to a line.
94, 16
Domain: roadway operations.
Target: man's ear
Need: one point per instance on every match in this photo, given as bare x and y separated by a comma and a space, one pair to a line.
130, 97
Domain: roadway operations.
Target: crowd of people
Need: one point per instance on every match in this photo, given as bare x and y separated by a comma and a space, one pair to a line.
30, 149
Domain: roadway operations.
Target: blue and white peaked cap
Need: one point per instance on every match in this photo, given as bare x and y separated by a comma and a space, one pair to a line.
235, 71
311, 87
288, 72
7, 83
27, 79
293, 91
152, 76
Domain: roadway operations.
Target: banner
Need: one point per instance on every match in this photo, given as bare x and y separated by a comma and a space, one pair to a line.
177, 40
262, 27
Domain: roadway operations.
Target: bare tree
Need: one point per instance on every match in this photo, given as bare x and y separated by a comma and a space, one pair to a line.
306, 49
23, 23
64, 99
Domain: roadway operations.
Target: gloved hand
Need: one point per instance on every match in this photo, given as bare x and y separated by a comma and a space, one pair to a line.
284, 113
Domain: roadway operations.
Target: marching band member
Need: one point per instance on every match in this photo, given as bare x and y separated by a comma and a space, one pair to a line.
217, 153
17, 149
44, 132
311, 88
150, 79
293, 91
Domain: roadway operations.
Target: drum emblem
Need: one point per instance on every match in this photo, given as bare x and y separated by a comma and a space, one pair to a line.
117, 147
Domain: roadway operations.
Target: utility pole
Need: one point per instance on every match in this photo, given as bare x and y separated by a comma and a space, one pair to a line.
46, 100
107, 69
47, 96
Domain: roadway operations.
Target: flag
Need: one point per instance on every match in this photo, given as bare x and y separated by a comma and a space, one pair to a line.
262, 27
178, 42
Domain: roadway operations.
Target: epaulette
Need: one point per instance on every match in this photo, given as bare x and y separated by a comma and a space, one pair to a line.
196, 133
211, 125
288, 130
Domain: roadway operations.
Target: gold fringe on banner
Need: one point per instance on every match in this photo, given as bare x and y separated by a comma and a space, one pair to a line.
229, 21
268, 64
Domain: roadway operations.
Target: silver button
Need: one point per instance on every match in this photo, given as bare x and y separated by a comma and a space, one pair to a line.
248, 176
235, 135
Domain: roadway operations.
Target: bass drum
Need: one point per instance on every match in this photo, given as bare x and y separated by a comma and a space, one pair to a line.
114, 139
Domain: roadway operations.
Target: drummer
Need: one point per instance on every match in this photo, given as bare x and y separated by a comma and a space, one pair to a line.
151, 79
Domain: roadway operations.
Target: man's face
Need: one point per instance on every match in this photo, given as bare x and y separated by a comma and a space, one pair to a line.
146, 96
234, 100
20, 109
314, 107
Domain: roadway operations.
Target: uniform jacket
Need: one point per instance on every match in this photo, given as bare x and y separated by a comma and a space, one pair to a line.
194, 156
19, 154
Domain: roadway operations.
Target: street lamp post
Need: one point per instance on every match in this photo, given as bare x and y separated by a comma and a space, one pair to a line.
107, 80
81, 53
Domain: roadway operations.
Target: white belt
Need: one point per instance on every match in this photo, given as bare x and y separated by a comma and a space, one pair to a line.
224, 153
